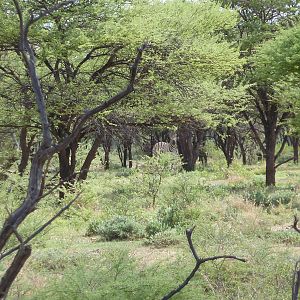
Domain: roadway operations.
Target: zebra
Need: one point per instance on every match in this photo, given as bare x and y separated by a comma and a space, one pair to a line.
164, 147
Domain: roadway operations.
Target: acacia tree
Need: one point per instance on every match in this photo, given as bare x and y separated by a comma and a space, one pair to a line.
47, 149
259, 21
278, 62
60, 130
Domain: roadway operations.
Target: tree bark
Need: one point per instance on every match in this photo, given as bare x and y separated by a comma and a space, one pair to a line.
189, 144
106, 147
270, 139
12, 272
125, 155
67, 164
270, 158
295, 144
25, 150
89, 158
226, 141
130, 156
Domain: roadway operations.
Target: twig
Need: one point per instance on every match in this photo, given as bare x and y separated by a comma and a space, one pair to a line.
33, 235
199, 262
284, 162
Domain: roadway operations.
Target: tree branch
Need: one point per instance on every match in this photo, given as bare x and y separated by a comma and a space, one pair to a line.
24, 251
281, 148
256, 135
48, 11
33, 235
199, 262
284, 162
104, 105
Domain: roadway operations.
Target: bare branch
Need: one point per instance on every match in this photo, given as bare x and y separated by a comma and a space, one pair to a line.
33, 235
284, 162
104, 105
29, 59
255, 132
14, 269
18, 236
281, 147
48, 11
199, 262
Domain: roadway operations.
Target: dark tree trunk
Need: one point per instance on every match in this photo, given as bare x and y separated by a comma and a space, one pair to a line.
67, 164
130, 156
188, 146
120, 153
270, 126
295, 143
106, 147
268, 114
241, 144
203, 156
226, 141
25, 150
89, 158
270, 157
106, 158
12, 272
125, 156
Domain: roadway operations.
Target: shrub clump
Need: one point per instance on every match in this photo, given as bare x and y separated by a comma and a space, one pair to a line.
116, 228
269, 197
163, 239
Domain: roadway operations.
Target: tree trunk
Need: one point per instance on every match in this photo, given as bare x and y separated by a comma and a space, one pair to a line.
130, 156
270, 161
106, 158
106, 147
25, 150
67, 164
295, 143
14, 269
270, 139
125, 156
89, 158
240, 142
226, 141
188, 146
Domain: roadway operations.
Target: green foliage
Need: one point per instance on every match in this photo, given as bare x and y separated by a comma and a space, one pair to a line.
279, 58
268, 197
163, 239
154, 171
117, 228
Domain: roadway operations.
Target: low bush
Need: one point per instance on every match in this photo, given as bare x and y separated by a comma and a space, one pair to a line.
117, 228
269, 196
163, 239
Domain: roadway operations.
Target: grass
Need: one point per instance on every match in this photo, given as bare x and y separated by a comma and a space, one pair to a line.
68, 264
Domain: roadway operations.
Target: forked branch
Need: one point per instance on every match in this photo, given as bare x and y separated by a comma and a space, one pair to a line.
199, 262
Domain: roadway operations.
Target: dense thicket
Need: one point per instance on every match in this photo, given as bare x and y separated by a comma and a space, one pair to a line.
80, 75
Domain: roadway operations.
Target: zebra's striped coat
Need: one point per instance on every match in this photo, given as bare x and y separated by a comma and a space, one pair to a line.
164, 147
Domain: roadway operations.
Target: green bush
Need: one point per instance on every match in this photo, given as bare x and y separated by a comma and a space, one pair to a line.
154, 227
270, 197
117, 228
163, 239
168, 216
